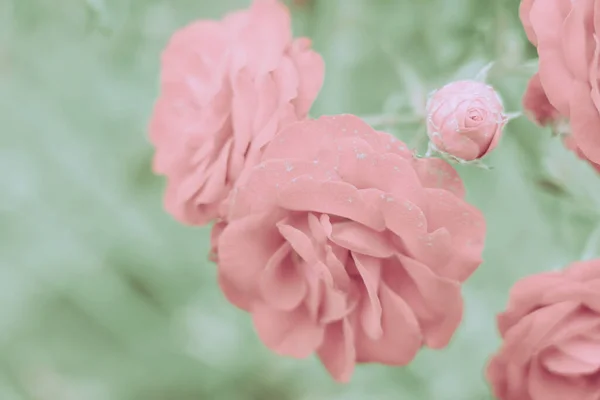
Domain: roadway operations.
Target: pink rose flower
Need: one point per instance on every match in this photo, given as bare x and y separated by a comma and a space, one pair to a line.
536, 104
227, 88
465, 119
551, 332
340, 242
543, 113
566, 35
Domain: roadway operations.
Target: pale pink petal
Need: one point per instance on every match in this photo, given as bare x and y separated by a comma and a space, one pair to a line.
585, 121
401, 339
369, 269
528, 337
577, 44
525, 296
536, 104
287, 333
312, 71
334, 198
245, 248
281, 286
358, 238
524, 11
547, 386
465, 224
436, 173
443, 299
337, 351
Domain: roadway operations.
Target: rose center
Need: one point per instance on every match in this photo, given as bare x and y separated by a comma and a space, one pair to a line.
475, 116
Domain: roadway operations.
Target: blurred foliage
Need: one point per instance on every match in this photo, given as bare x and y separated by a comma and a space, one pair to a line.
104, 296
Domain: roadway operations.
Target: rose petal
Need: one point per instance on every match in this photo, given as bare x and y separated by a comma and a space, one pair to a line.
525, 296
577, 44
337, 351
312, 71
566, 365
359, 238
369, 269
401, 338
524, 11
333, 198
241, 260
532, 332
582, 349
436, 173
441, 296
547, 386
287, 333
281, 286
466, 226
585, 121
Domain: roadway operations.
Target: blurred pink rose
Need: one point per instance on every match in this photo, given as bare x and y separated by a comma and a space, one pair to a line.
341, 242
536, 104
465, 119
551, 332
543, 113
227, 87
566, 35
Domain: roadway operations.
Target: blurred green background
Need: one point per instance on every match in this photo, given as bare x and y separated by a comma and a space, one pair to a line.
104, 296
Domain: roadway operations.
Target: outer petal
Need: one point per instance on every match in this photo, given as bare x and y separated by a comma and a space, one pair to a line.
311, 69
524, 11
245, 248
554, 75
337, 350
436, 173
292, 334
585, 122
536, 104
401, 338
466, 226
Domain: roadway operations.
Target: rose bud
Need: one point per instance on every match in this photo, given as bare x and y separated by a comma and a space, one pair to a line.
465, 120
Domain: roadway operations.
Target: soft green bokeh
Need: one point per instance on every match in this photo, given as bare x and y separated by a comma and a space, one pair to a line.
104, 296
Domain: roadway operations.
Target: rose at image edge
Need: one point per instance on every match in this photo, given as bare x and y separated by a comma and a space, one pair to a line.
226, 88
551, 337
565, 33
